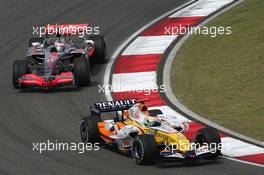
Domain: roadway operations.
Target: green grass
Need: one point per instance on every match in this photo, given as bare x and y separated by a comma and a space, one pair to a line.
222, 78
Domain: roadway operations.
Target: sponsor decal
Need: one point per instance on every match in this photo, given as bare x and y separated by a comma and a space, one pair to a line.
115, 105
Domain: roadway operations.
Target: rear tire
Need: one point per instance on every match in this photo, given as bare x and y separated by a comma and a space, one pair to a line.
35, 40
19, 69
82, 73
89, 130
212, 138
100, 52
145, 150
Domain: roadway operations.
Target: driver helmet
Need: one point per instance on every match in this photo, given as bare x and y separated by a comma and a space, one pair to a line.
59, 45
109, 125
151, 121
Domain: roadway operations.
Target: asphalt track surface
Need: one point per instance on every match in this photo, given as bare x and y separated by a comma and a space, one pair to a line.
37, 116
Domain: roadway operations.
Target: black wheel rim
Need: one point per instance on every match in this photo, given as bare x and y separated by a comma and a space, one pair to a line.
138, 151
84, 131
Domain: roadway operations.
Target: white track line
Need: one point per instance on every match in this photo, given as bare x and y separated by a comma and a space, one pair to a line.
242, 161
237, 148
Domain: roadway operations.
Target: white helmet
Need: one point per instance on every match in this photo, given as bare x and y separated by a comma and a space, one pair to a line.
59, 46
109, 124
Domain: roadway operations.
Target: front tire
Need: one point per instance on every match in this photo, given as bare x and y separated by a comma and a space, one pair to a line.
213, 140
82, 72
100, 52
145, 150
19, 69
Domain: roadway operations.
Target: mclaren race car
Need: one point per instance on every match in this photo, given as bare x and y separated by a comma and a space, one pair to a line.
147, 135
59, 59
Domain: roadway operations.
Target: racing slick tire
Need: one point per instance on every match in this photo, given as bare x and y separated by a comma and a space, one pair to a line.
19, 69
35, 40
100, 52
82, 72
89, 130
212, 138
145, 150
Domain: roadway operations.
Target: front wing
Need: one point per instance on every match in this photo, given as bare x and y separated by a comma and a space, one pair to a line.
33, 80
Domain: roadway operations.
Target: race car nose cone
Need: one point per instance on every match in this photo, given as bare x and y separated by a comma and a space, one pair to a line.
48, 79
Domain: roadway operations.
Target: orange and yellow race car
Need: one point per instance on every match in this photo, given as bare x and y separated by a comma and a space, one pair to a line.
148, 135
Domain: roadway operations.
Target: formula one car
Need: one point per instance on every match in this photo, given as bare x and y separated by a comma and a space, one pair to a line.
147, 135
59, 59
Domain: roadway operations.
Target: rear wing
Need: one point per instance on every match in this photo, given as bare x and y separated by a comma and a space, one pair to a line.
109, 106
65, 29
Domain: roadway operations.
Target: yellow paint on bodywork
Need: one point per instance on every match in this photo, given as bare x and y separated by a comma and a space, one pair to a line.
176, 139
